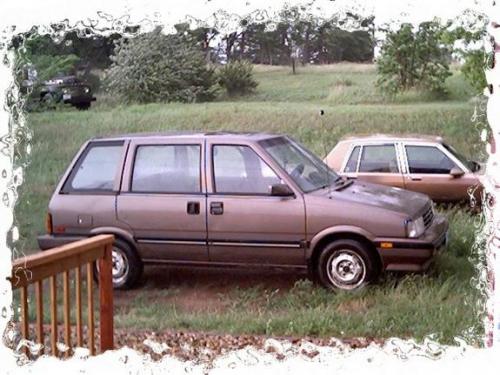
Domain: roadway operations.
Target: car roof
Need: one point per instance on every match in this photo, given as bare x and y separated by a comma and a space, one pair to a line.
236, 136
394, 138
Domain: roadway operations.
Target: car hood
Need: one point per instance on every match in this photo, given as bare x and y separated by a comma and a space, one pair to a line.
402, 201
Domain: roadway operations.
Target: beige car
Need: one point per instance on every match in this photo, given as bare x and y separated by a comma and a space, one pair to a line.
246, 200
425, 164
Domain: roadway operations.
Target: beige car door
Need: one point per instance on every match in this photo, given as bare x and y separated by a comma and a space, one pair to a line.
377, 163
428, 169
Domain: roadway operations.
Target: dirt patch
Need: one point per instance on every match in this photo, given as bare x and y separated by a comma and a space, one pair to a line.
201, 289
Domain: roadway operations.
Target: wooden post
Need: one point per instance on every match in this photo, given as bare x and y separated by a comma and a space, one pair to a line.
78, 291
90, 307
67, 322
39, 313
24, 315
106, 299
53, 314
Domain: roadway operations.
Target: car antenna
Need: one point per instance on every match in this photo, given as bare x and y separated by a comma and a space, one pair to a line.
325, 151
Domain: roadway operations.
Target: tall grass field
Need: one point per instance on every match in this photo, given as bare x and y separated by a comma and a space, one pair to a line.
443, 301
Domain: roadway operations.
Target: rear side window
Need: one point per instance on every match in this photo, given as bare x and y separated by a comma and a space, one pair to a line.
379, 158
96, 169
428, 159
352, 163
167, 169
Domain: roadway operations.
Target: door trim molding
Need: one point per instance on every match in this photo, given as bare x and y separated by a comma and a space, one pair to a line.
176, 241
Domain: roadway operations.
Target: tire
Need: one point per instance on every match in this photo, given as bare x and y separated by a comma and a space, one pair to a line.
49, 101
346, 265
82, 106
127, 266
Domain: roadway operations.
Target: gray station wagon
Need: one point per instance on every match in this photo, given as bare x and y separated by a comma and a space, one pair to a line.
228, 199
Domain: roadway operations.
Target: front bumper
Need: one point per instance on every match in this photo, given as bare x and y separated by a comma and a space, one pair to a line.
413, 254
78, 99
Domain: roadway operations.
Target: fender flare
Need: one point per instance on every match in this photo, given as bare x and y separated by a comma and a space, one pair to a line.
344, 229
118, 232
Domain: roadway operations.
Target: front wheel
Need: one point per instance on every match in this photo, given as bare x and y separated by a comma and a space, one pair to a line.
126, 265
346, 265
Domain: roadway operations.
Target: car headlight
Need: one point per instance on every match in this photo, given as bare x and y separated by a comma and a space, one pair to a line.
65, 91
414, 228
86, 90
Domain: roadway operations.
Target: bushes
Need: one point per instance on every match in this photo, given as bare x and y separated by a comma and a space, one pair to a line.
154, 67
237, 78
414, 59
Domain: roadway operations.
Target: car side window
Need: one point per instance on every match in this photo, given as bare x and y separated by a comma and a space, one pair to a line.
352, 163
379, 159
239, 170
428, 159
167, 169
96, 169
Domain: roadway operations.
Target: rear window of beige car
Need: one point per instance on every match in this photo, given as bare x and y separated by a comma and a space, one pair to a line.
379, 158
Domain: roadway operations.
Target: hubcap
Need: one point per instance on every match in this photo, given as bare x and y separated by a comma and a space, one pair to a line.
346, 269
120, 266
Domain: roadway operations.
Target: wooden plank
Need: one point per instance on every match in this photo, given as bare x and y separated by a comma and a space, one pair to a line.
39, 313
90, 308
21, 277
67, 323
61, 252
78, 291
106, 299
53, 314
24, 315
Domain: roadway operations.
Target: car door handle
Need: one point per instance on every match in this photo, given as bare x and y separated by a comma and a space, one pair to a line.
193, 208
413, 178
216, 208
352, 177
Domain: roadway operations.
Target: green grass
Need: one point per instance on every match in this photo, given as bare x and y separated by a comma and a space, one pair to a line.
441, 302
286, 103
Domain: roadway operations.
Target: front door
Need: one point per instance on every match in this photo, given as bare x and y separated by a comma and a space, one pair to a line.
429, 173
246, 224
164, 202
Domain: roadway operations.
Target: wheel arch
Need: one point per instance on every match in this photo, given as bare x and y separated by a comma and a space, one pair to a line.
329, 235
119, 233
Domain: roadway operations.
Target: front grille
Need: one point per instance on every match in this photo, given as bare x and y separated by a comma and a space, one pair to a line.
428, 217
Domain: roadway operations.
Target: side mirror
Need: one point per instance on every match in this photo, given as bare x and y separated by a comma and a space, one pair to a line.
281, 190
456, 172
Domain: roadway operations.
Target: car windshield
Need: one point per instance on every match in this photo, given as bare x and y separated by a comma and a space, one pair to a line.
305, 168
468, 163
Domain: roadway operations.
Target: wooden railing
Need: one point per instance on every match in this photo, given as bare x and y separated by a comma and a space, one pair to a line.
34, 269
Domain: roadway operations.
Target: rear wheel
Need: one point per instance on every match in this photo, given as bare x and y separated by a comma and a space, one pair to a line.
346, 265
126, 265
82, 106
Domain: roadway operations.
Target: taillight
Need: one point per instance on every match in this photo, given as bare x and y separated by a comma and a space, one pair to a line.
48, 223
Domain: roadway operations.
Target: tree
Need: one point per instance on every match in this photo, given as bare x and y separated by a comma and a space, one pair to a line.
465, 35
154, 67
414, 59
237, 78
473, 69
